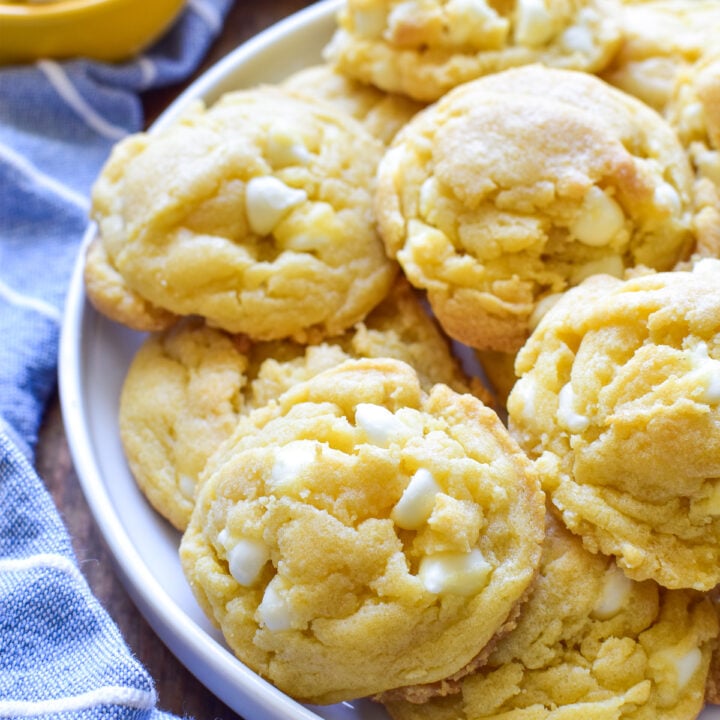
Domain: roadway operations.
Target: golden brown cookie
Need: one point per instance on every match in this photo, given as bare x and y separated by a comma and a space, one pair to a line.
186, 388
255, 214
360, 534
660, 38
618, 401
514, 187
383, 114
590, 644
423, 48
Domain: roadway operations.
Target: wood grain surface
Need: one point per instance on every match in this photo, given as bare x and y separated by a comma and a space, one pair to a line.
178, 691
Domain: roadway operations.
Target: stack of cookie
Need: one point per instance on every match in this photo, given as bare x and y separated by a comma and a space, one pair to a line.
528, 183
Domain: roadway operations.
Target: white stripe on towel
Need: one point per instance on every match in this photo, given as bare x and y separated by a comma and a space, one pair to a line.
30, 303
107, 695
24, 166
68, 92
148, 70
41, 560
208, 13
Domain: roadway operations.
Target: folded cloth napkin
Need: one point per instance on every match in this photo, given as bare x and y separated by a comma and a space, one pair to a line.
60, 653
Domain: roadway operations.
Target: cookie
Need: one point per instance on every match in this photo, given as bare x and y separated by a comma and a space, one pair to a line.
186, 388
255, 214
590, 643
110, 295
659, 39
383, 114
424, 48
694, 112
514, 187
359, 534
618, 402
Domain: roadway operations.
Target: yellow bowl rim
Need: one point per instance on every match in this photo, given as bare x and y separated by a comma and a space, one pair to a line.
25, 11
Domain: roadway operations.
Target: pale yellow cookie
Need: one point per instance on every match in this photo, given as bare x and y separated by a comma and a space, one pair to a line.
694, 111
514, 187
423, 48
383, 114
186, 388
660, 38
109, 294
359, 534
255, 214
590, 644
618, 400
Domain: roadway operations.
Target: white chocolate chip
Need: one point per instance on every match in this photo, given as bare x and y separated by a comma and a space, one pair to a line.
468, 17
682, 663
402, 14
614, 595
706, 371
267, 201
524, 393
187, 486
274, 611
283, 146
380, 425
417, 501
578, 39
666, 196
600, 219
687, 665
693, 117
608, 265
369, 22
533, 24
428, 196
291, 460
246, 559
566, 413
456, 573
707, 266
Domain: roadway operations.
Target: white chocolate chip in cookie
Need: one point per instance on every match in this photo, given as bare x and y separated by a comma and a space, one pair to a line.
534, 24
600, 219
567, 416
274, 611
707, 370
380, 425
615, 592
417, 501
267, 201
246, 559
290, 461
457, 573
284, 147
679, 663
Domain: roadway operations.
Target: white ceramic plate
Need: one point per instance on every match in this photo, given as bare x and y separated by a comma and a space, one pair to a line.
94, 356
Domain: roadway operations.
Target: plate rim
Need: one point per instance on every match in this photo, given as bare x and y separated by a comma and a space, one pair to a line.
213, 665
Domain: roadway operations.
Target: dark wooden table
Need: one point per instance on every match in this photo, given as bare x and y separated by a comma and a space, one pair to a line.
178, 691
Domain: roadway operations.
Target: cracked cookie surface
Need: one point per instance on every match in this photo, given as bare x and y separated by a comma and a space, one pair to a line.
186, 387
589, 643
423, 48
360, 534
618, 400
258, 223
514, 187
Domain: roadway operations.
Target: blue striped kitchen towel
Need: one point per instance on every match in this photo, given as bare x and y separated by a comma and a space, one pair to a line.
60, 653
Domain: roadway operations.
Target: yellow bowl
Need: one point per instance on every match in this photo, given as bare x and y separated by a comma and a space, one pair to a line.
107, 30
